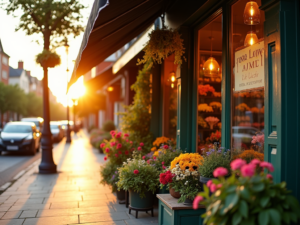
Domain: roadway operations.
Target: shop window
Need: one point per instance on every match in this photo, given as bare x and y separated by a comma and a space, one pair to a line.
170, 98
209, 71
247, 73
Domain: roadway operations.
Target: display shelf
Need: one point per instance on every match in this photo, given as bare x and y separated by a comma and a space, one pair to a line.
210, 113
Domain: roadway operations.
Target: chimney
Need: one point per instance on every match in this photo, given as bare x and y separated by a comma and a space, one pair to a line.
28, 72
21, 65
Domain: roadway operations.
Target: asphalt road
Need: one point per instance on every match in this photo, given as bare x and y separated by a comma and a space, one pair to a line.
12, 163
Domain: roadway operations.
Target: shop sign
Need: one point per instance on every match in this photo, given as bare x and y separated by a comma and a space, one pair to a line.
249, 68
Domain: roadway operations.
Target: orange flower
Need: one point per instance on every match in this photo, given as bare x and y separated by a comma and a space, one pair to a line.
248, 155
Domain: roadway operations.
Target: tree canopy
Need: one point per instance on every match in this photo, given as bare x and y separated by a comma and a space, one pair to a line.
54, 19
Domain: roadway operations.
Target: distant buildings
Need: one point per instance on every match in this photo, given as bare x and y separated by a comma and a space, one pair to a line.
4, 65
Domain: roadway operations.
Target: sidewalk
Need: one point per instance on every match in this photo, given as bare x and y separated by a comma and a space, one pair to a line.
72, 196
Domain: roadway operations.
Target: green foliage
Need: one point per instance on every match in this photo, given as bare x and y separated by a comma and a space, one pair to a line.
51, 18
145, 180
137, 116
108, 126
109, 175
48, 59
162, 43
252, 200
214, 159
97, 136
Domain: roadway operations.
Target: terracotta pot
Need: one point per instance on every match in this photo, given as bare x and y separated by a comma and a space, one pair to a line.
174, 194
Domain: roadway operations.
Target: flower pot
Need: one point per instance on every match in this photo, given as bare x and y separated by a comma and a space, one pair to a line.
121, 195
174, 194
141, 203
188, 201
164, 190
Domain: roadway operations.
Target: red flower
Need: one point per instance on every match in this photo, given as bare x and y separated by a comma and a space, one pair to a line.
112, 144
144, 157
120, 152
113, 133
142, 144
119, 146
135, 171
166, 147
117, 155
162, 163
126, 152
126, 135
139, 148
105, 158
154, 157
102, 145
107, 150
126, 140
163, 167
165, 178
130, 142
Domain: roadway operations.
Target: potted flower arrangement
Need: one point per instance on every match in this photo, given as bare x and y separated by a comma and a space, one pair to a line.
182, 177
118, 149
140, 179
251, 198
213, 159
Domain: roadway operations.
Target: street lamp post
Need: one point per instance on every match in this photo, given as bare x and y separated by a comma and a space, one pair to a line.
74, 103
68, 109
47, 164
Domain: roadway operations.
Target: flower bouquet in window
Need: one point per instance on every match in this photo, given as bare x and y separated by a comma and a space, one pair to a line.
211, 121
251, 198
205, 108
205, 89
182, 177
217, 106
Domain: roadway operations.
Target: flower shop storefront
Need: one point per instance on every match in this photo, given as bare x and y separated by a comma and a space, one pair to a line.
229, 99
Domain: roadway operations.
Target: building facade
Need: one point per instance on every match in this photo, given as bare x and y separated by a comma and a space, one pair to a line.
20, 77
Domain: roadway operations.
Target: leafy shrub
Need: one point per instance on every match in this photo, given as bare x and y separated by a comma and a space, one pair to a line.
213, 159
109, 175
108, 126
48, 59
138, 176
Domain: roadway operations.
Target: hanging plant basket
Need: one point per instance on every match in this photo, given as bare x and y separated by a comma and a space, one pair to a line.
48, 59
162, 44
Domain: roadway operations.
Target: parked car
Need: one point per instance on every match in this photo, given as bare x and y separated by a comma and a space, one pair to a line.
20, 137
242, 136
64, 125
38, 121
56, 131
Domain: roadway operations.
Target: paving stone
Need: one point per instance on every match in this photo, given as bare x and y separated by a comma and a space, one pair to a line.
12, 222
1, 214
64, 205
101, 217
12, 215
28, 214
29, 207
107, 223
60, 220
29, 201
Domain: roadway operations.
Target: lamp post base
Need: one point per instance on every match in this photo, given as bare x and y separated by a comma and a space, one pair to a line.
47, 165
69, 140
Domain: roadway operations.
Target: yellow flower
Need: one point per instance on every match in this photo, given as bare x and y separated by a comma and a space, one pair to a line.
190, 161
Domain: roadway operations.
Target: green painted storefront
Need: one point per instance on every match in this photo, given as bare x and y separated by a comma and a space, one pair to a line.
281, 88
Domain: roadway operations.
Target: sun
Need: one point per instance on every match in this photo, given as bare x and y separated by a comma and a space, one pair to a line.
77, 90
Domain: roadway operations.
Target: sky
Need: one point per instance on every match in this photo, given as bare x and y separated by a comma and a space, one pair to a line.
19, 46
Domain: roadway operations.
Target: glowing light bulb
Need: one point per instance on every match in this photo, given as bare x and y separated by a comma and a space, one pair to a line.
251, 13
251, 39
173, 78
211, 66
110, 89
172, 85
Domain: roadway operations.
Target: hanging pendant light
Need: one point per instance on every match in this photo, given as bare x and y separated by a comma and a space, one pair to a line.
251, 13
251, 39
211, 67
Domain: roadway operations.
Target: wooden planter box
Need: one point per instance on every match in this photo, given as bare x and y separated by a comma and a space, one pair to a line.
173, 213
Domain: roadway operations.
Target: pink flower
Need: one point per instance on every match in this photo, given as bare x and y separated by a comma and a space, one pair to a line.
117, 155
213, 187
119, 146
267, 165
162, 163
113, 133
269, 176
141, 144
248, 170
163, 167
154, 157
126, 135
105, 158
166, 147
118, 135
209, 183
102, 145
112, 144
144, 157
255, 162
220, 172
126, 140
107, 150
130, 142
196, 202
139, 148
219, 186
135, 171
148, 161
237, 164
254, 140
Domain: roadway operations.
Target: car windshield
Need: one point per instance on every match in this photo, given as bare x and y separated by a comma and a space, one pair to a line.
53, 126
14, 128
37, 123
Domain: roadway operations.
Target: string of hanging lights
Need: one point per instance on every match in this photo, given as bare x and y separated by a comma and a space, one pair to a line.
251, 17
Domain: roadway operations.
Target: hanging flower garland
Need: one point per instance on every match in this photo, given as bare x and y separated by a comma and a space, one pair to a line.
163, 43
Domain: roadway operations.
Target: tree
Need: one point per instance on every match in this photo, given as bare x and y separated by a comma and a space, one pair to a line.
137, 116
55, 20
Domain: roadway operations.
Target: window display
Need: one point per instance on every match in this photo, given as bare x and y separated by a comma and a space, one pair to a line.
209, 71
247, 76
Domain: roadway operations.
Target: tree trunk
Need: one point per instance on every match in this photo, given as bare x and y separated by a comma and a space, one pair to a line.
47, 40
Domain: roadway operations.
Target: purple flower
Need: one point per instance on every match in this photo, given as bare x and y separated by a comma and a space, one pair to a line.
116, 172
220, 151
113, 177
